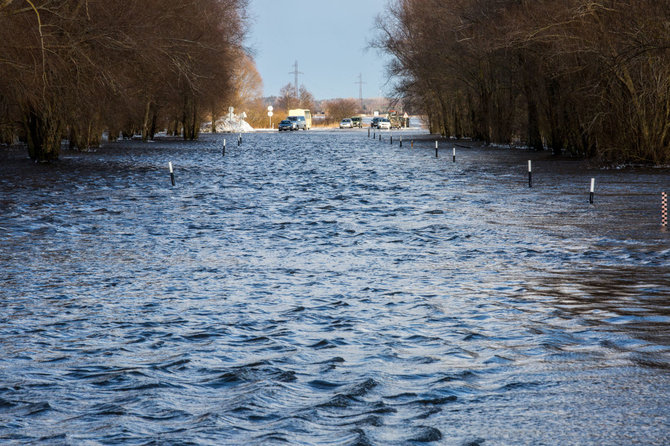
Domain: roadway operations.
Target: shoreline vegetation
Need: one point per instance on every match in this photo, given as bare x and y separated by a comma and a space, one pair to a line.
74, 68
585, 79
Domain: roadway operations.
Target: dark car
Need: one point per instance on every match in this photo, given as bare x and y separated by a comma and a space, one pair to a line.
375, 122
287, 125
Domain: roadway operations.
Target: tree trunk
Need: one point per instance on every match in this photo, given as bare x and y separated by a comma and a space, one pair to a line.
43, 134
553, 114
190, 119
534, 136
145, 122
154, 119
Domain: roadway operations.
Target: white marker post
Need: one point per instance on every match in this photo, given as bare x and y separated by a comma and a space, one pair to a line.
664, 209
593, 186
171, 172
239, 139
435, 149
224, 146
530, 175
400, 140
453, 156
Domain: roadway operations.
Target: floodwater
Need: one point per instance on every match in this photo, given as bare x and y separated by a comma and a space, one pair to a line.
324, 288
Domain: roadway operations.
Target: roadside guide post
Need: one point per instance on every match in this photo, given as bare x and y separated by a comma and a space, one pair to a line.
171, 173
664, 209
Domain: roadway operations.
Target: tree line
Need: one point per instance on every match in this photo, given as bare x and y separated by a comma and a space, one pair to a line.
73, 68
582, 77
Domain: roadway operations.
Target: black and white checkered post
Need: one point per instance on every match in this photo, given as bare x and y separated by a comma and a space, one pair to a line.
664, 209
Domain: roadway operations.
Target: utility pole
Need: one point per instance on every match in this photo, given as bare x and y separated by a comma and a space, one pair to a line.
360, 88
295, 72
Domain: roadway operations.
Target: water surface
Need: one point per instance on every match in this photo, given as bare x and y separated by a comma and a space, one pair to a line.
322, 288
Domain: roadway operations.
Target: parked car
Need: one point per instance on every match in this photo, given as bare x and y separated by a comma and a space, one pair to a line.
384, 123
287, 125
346, 123
374, 122
357, 121
299, 121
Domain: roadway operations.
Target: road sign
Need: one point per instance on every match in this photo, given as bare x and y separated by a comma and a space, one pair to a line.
270, 109
270, 113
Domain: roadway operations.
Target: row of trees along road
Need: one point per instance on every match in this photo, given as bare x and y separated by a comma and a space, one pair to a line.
75, 67
586, 78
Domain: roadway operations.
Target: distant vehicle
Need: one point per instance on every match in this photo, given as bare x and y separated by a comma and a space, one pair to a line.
395, 118
305, 114
299, 121
384, 123
287, 125
346, 123
357, 121
375, 121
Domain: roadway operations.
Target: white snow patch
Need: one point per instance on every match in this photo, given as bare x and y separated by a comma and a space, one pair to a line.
229, 125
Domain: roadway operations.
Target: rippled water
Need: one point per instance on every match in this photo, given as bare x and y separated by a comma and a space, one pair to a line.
322, 288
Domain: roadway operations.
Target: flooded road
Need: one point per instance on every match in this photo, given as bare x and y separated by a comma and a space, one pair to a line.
322, 288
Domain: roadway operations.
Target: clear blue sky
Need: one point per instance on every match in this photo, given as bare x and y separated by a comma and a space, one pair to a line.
328, 39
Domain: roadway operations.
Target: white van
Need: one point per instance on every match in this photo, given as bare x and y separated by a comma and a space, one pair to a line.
304, 113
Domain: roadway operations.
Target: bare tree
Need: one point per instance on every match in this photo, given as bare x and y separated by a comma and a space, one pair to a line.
75, 67
589, 78
338, 109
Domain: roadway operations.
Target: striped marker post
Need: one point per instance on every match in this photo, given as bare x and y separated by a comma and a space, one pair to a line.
400, 140
530, 175
239, 139
593, 186
224, 147
171, 173
435, 149
664, 209
453, 156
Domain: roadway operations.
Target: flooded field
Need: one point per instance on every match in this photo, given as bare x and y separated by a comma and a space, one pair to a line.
324, 288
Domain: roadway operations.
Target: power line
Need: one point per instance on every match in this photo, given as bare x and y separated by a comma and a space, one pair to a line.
360, 88
295, 72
